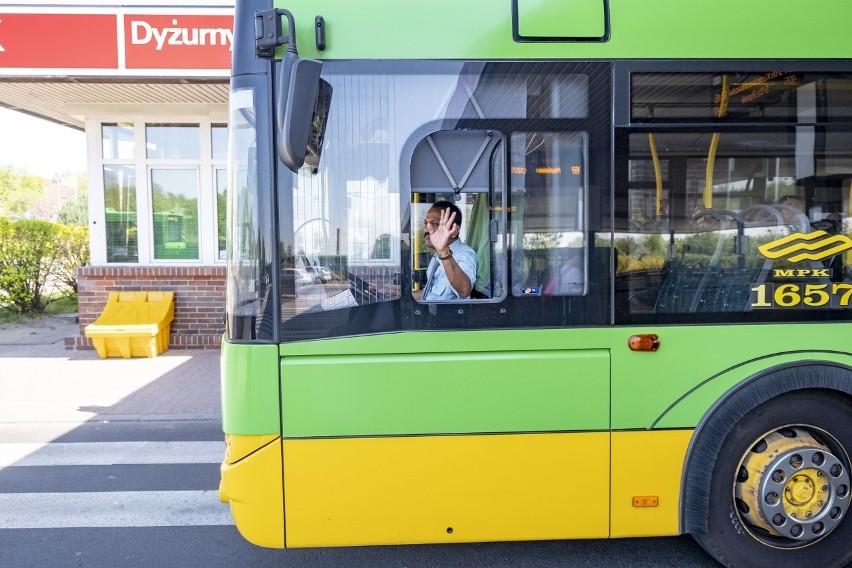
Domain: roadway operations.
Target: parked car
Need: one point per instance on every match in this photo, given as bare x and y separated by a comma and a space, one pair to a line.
320, 274
299, 275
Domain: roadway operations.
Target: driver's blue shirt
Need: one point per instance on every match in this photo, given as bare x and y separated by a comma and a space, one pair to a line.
438, 287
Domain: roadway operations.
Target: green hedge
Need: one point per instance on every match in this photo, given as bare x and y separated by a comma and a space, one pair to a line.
37, 262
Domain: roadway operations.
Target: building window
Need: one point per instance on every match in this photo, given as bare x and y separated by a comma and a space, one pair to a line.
219, 142
120, 214
219, 154
174, 195
221, 176
117, 141
173, 141
118, 146
164, 186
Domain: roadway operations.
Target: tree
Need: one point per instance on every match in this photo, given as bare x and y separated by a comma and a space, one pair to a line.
19, 191
75, 211
381, 247
533, 241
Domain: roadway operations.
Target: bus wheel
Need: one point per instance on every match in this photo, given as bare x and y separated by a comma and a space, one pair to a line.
780, 490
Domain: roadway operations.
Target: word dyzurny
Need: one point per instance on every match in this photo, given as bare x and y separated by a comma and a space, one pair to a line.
142, 33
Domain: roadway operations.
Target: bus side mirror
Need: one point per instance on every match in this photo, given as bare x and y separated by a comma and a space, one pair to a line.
301, 111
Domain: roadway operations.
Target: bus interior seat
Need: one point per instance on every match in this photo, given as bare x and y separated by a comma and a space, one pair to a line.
715, 290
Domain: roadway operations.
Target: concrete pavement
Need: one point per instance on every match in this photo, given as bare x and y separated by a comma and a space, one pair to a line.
42, 382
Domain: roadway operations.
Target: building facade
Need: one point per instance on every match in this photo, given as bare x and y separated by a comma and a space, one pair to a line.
148, 83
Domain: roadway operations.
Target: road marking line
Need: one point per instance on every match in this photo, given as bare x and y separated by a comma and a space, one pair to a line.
112, 509
110, 453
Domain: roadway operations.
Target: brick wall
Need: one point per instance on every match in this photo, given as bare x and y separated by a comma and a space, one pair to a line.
199, 299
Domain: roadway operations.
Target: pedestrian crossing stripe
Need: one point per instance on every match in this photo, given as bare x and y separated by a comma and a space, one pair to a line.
117, 509
110, 453
121, 509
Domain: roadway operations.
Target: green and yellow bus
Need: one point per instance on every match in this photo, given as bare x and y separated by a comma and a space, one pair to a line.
691, 161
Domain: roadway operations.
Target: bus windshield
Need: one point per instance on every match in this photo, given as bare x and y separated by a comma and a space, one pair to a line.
401, 137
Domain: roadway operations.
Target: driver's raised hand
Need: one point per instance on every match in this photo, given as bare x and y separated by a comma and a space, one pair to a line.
444, 233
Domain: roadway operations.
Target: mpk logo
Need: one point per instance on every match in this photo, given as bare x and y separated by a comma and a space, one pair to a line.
811, 246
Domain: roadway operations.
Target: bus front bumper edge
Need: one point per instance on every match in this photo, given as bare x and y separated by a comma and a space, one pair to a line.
251, 483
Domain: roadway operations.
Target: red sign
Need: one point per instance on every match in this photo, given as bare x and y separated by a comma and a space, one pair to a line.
178, 41
58, 41
169, 44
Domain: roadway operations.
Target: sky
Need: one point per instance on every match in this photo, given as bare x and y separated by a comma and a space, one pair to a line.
40, 147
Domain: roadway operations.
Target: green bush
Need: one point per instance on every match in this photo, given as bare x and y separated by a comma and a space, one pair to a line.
27, 250
72, 252
37, 262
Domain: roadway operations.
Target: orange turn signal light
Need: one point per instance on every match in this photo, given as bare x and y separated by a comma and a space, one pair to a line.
644, 342
646, 501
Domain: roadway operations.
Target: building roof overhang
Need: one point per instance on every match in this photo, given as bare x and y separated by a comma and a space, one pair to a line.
69, 101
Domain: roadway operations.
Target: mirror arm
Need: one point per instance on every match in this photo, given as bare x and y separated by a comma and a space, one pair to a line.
300, 95
268, 32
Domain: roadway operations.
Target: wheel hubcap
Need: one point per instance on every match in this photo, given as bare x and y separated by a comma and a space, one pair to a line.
790, 485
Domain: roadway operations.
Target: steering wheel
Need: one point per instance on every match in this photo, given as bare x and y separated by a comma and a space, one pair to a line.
711, 219
761, 214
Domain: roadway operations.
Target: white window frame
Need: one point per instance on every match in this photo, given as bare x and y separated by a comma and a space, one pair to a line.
206, 166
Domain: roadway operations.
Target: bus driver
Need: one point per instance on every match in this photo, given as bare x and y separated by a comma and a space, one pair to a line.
452, 271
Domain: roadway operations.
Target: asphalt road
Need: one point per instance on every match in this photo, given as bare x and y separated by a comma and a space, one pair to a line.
100, 494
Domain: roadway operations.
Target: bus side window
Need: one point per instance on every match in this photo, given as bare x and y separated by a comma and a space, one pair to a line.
548, 213
465, 168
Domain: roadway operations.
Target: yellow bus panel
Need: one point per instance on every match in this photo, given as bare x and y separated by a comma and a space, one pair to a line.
432, 489
645, 465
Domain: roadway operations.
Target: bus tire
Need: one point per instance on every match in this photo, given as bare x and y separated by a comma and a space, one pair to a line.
780, 487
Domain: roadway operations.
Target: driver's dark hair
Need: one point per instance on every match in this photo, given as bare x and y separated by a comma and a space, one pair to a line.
443, 205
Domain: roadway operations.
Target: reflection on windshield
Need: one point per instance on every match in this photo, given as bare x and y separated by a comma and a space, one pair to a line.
348, 216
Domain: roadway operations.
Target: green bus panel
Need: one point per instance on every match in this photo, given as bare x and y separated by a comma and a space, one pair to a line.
662, 389
639, 29
695, 402
445, 393
649, 389
250, 389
